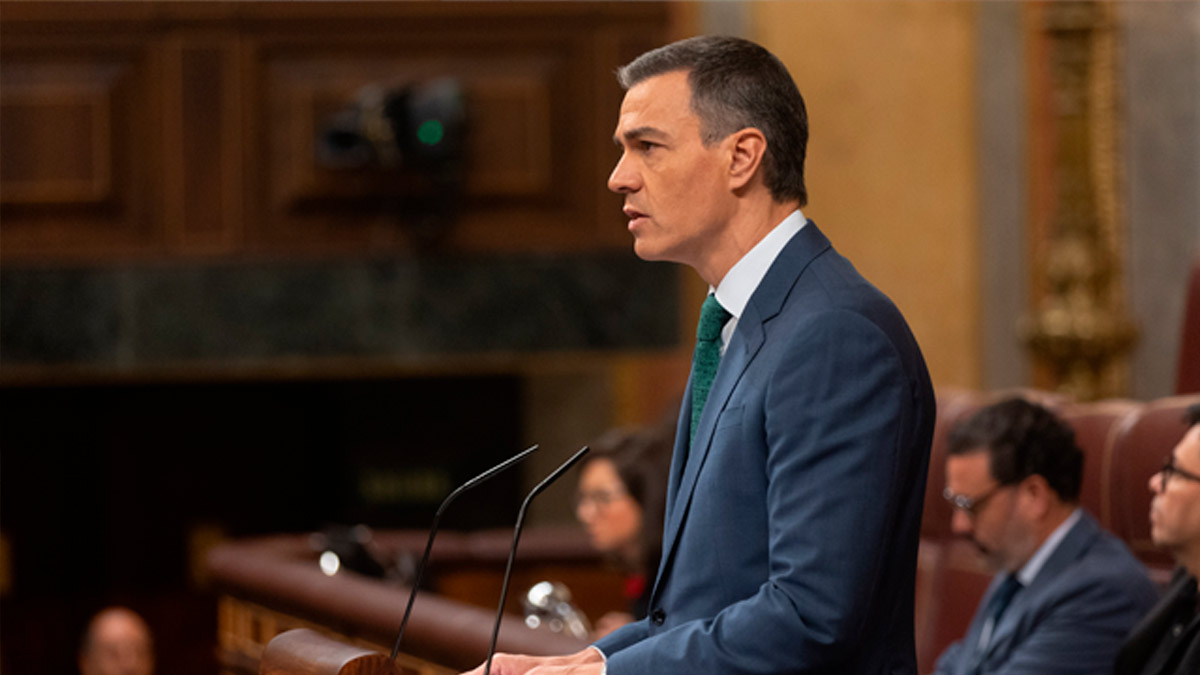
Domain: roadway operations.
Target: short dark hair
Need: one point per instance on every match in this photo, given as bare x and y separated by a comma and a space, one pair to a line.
1192, 416
1023, 439
738, 84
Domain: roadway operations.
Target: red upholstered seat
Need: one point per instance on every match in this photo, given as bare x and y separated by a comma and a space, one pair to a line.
1189, 347
1097, 427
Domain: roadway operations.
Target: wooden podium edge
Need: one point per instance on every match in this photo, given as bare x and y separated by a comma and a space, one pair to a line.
302, 651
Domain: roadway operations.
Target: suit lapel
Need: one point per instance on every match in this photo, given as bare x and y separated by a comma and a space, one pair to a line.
679, 453
970, 641
1184, 657
682, 483
1189, 645
765, 303
1075, 544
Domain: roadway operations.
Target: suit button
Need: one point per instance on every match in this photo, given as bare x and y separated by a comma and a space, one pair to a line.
657, 617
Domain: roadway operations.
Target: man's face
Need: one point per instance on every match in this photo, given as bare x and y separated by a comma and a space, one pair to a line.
1175, 509
120, 645
677, 191
993, 522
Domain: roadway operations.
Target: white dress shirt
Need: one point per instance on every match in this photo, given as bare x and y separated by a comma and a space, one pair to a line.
740, 282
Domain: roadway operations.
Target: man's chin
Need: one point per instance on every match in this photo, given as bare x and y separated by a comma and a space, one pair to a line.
647, 252
990, 557
660, 249
1156, 537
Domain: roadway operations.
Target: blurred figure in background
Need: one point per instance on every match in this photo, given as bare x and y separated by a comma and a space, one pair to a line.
1065, 591
620, 499
1167, 640
117, 642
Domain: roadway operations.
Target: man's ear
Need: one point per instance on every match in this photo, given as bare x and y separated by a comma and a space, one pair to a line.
747, 149
1039, 493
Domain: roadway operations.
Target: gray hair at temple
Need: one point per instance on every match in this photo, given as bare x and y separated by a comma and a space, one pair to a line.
737, 84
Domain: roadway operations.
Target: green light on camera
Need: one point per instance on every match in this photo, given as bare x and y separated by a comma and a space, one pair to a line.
430, 132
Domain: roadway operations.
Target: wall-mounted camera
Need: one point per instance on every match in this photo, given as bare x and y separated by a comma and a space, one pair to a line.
410, 140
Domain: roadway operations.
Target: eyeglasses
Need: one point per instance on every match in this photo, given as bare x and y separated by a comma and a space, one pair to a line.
1169, 469
598, 498
970, 505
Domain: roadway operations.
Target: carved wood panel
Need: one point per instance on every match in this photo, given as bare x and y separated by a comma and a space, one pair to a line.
76, 128
203, 173
160, 129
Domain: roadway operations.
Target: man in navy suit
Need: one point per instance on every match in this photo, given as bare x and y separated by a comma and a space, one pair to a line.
1066, 592
796, 486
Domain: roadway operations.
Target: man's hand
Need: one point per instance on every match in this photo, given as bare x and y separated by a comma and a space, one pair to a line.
586, 662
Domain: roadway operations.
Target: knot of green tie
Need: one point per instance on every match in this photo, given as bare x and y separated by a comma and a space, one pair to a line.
713, 318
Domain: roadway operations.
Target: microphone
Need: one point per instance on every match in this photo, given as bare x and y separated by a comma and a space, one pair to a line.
437, 517
512, 552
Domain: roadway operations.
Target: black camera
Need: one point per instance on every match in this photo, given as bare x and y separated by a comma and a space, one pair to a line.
415, 127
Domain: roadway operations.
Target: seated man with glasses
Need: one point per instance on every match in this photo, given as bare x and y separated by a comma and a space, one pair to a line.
1066, 592
1167, 640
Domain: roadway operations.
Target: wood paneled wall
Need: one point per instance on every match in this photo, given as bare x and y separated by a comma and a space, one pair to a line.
162, 129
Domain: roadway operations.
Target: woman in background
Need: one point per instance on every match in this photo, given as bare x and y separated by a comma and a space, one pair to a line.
620, 500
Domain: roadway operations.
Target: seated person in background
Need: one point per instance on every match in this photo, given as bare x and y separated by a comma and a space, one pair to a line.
1066, 592
116, 642
621, 498
1167, 640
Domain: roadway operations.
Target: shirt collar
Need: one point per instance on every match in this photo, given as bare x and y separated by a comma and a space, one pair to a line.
1030, 571
734, 291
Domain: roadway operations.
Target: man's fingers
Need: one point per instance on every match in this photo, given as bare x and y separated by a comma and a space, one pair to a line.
587, 661
507, 664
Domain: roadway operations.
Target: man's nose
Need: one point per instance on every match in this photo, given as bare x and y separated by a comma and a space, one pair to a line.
623, 178
960, 523
1155, 483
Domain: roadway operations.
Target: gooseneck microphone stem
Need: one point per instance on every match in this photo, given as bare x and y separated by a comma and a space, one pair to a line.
437, 517
512, 552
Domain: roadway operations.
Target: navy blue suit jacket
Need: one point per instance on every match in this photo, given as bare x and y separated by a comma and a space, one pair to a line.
1072, 617
792, 522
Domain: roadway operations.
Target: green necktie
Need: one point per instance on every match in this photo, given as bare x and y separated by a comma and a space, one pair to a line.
707, 356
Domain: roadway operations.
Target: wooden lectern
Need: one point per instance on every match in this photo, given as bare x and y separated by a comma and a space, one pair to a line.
271, 586
306, 652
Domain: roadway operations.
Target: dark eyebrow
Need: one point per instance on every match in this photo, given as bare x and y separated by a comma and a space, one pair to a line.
637, 133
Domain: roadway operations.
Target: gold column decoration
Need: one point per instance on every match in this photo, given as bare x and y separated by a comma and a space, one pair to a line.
1079, 331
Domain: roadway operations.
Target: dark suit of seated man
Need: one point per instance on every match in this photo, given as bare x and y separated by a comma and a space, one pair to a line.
1167, 640
1066, 592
